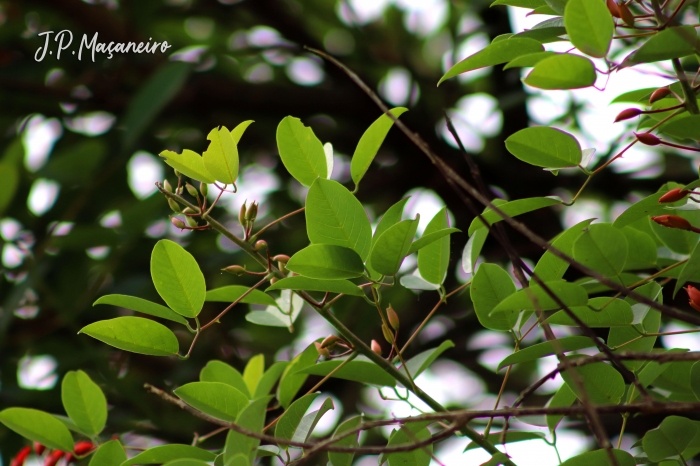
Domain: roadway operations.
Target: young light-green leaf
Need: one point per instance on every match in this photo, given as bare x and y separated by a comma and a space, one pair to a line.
135, 334
687, 127
529, 60
590, 26
546, 147
301, 151
535, 297
292, 379
309, 421
512, 209
38, 426
230, 293
430, 238
547, 348
360, 370
390, 218
562, 71
141, 305
600, 458
269, 378
392, 247
335, 216
189, 163
109, 454
370, 142
253, 419
603, 248
291, 418
434, 257
84, 402
217, 371
345, 459
473, 248
490, 286
164, 453
178, 278
315, 284
237, 132
494, 54
216, 399
254, 371
221, 157
326, 261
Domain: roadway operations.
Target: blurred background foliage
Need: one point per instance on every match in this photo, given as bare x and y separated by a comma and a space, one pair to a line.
78, 162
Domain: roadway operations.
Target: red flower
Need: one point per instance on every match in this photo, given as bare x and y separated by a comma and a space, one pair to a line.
18, 460
53, 458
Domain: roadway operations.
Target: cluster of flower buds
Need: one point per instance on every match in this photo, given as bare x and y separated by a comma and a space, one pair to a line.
330, 343
247, 216
620, 10
693, 296
80, 449
674, 221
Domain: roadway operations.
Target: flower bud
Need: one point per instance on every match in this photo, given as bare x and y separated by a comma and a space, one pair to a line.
693, 293
648, 139
241, 216
673, 221
612, 6
234, 269
53, 458
82, 448
204, 189
627, 114
626, 14
167, 187
69, 458
388, 336
322, 351
177, 173
274, 280
192, 190
178, 191
329, 341
260, 245
39, 448
252, 212
190, 210
20, 457
174, 206
281, 258
191, 222
376, 347
674, 195
393, 317
177, 223
659, 94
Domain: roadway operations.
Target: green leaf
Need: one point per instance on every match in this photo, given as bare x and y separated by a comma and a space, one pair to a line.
239, 459
326, 261
335, 216
253, 419
177, 278
638, 95
490, 286
84, 402
134, 334
290, 419
328, 151
602, 383
602, 312
392, 247
269, 378
603, 248
408, 434
673, 42
292, 379
680, 241
268, 450
689, 269
10, 180
649, 373
544, 35
494, 54
164, 453
38, 426
390, 218
563, 398
695, 379
188, 462
217, 371
512, 209
230, 293
315, 284
189, 163
530, 4
551, 267
308, 422
345, 459
417, 364
600, 458
529, 60
570, 294
109, 454
283, 314
543, 146
473, 249
562, 71
370, 142
434, 257
359, 369
677, 379
430, 238
590, 26
687, 127
416, 282
547, 348
216, 399
237, 132
254, 371
670, 439
497, 459
141, 305
649, 206
644, 248
301, 151
159, 89
221, 158
510, 437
